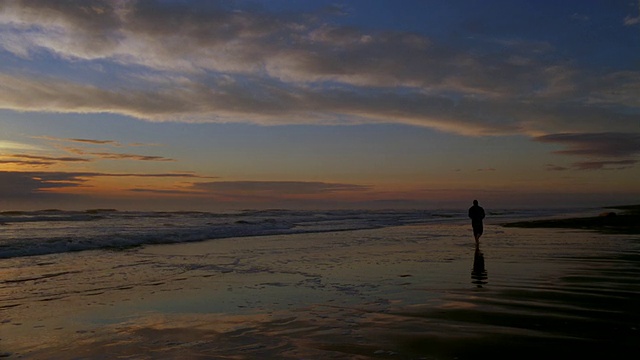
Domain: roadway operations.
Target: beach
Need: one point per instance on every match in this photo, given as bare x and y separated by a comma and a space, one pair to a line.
419, 291
319, 179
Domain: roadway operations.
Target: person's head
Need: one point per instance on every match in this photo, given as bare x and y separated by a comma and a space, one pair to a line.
475, 202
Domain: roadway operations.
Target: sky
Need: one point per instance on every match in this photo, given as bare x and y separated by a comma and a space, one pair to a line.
313, 104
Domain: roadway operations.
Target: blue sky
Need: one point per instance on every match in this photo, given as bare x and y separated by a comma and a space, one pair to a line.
237, 104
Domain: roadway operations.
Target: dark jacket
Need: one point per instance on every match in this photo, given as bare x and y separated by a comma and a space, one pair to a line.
476, 213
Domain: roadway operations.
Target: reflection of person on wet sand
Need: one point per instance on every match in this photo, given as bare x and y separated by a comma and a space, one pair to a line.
479, 273
476, 213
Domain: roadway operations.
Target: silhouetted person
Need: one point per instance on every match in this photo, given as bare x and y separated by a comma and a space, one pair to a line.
476, 213
479, 273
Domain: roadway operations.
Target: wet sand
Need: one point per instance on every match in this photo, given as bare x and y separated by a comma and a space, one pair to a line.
412, 292
625, 221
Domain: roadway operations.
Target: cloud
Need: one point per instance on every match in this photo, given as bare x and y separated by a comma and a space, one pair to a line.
165, 191
107, 155
619, 146
14, 145
117, 156
59, 95
276, 187
36, 187
26, 184
93, 141
208, 62
236, 102
49, 158
608, 144
120, 156
277, 103
299, 48
607, 165
42, 189
595, 165
27, 162
33, 160
154, 175
631, 21
296, 194
617, 88
36, 181
552, 167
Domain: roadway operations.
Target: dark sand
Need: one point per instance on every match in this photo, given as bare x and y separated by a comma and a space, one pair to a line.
414, 292
625, 222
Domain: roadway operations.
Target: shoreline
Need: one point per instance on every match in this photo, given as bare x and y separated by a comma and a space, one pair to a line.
625, 222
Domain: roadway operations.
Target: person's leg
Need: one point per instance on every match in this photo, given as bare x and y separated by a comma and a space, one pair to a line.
477, 232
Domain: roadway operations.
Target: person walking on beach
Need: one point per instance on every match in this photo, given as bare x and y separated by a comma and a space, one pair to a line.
476, 213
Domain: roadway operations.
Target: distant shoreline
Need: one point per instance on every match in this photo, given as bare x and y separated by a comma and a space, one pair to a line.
627, 221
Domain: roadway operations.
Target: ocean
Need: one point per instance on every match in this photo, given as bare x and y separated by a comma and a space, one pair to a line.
28, 233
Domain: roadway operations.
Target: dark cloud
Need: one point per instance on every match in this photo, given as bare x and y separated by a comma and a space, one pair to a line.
165, 191
77, 140
28, 182
27, 162
595, 165
33, 160
607, 144
552, 167
34, 187
607, 165
51, 159
120, 156
276, 187
93, 141
155, 175
117, 156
